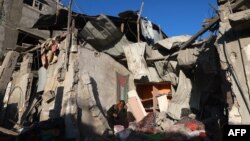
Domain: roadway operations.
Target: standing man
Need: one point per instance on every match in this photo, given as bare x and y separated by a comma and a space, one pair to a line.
117, 115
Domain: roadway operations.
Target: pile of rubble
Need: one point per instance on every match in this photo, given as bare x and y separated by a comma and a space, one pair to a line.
176, 88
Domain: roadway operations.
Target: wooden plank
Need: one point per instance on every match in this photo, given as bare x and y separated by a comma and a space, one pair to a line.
138, 23
136, 110
33, 49
6, 71
155, 93
148, 99
151, 109
163, 103
136, 106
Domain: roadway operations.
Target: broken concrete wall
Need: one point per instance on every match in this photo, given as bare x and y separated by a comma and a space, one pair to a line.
93, 120
17, 100
6, 70
240, 20
53, 89
29, 15
17, 15
102, 72
10, 18
233, 47
91, 78
50, 6
12, 12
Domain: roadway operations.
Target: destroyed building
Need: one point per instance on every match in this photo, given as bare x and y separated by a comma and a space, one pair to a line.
16, 20
64, 73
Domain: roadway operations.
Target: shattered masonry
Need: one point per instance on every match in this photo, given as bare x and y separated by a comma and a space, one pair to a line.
62, 82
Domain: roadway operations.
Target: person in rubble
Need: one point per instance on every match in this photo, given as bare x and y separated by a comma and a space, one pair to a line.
117, 115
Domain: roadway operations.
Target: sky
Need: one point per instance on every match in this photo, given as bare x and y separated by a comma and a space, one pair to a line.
175, 17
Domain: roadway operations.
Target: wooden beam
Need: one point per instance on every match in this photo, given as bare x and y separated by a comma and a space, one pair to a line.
138, 22
69, 35
203, 30
214, 21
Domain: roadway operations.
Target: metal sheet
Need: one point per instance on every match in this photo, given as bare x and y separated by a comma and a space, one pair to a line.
180, 99
103, 35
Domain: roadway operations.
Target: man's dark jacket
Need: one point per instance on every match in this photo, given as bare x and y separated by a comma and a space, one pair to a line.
121, 118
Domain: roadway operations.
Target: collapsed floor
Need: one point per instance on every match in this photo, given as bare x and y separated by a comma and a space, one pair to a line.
176, 88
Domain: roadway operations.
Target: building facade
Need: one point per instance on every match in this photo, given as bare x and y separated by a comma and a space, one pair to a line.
16, 20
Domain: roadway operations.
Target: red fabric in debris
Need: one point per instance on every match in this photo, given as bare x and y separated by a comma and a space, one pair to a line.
192, 126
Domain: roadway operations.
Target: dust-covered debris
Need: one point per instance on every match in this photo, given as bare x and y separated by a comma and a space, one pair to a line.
58, 84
